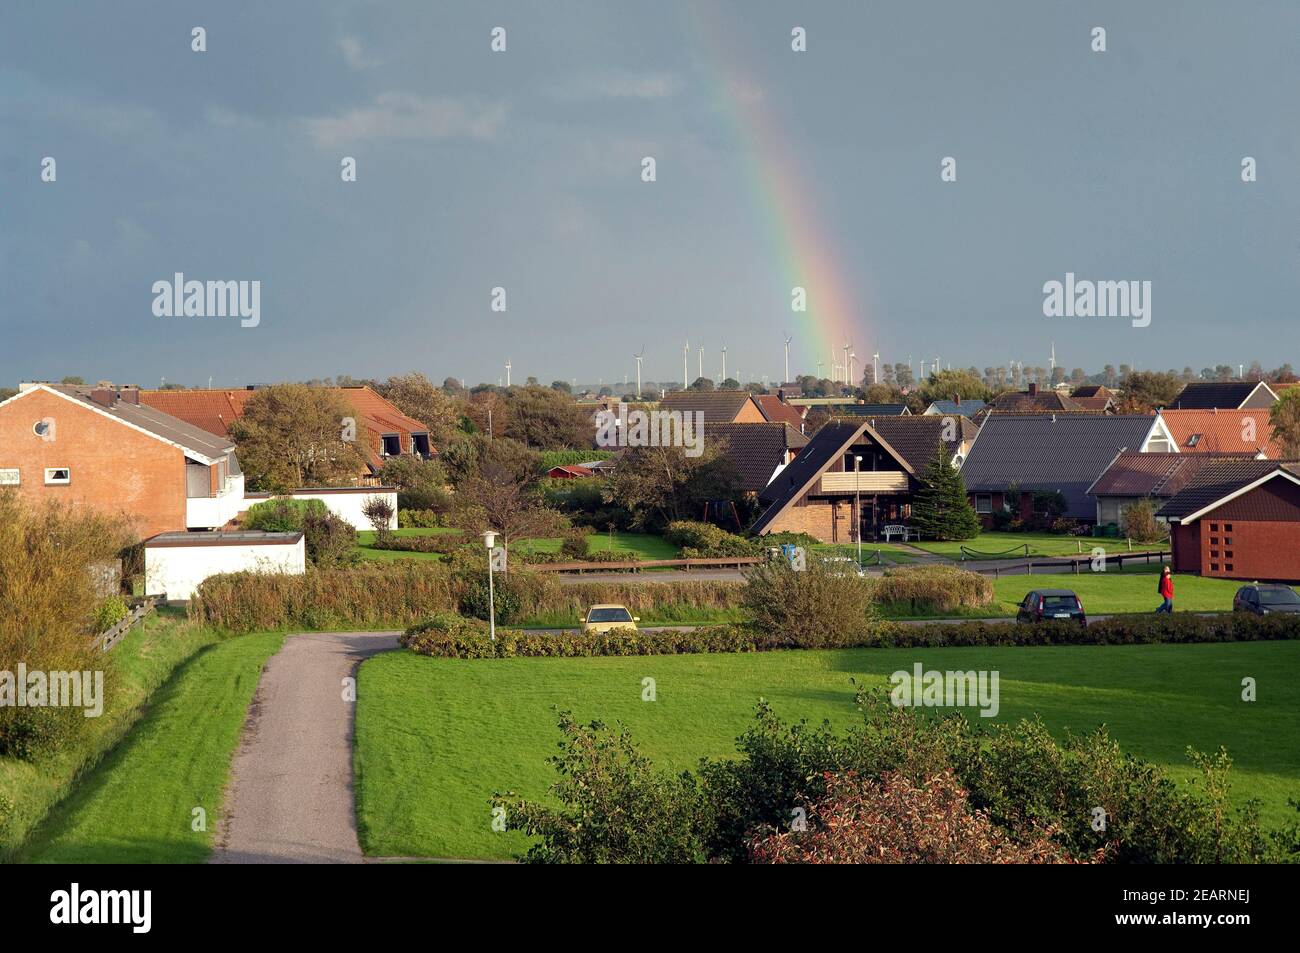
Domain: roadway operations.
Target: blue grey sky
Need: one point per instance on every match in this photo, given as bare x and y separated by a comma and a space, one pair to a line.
522, 169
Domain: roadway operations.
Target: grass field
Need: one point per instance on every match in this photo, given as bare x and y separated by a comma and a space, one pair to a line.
1040, 544
136, 805
642, 544
437, 737
138, 665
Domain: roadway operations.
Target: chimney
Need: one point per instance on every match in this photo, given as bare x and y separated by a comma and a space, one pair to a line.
956, 399
103, 396
129, 395
1033, 388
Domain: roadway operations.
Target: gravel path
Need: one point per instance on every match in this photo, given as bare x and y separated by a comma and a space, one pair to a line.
290, 794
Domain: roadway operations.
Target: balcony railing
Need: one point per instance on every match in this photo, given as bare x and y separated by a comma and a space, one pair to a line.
868, 481
203, 512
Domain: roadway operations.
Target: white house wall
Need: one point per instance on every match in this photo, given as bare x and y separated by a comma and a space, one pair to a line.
175, 572
346, 505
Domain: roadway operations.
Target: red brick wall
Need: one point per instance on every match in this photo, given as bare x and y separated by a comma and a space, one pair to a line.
114, 468
817, 518
1253, 550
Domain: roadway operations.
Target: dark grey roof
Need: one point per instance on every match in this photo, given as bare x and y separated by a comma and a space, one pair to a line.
916, 438
1215, 481
718, 406
755, 449
1205, 395
826, 444
192, 439
1065, 452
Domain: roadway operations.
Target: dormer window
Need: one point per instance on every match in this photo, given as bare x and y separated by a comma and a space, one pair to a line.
392, 446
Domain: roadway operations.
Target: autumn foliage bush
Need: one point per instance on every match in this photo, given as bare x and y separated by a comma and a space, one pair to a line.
49, 607
896, 821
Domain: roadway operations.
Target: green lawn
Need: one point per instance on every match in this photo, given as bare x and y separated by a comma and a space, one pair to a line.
436, 737
366, 539
1040, 544
891, 554
137, 666
136, 805
644, 545
1108, 592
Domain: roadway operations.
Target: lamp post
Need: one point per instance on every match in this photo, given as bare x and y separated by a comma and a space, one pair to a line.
857, 500
489, 540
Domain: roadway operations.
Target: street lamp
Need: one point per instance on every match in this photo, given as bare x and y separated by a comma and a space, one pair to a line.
857, 500
489, 540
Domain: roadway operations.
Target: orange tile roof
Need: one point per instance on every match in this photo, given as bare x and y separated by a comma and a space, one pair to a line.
1223, 431
777, 411
215, 410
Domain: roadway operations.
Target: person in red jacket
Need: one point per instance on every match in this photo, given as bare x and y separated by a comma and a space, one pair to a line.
1166, 589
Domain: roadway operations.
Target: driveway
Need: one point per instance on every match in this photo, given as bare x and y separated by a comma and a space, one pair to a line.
289, 799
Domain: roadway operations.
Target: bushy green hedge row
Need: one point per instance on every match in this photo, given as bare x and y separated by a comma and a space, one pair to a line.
453, 636
450, 636
928, 589
697, 539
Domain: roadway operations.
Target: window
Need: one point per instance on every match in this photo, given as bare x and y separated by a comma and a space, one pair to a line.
9, 477
1227, 527
1214, 527
1227, 567
56, 476
392, 445
1214, 567
42, 427
983, 502
1194, 439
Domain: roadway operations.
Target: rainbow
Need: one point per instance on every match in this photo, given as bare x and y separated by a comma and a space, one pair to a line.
806, 257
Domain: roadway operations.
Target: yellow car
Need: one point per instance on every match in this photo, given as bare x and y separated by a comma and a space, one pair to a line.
605, 617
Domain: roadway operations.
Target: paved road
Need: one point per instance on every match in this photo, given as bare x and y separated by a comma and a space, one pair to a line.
290, 793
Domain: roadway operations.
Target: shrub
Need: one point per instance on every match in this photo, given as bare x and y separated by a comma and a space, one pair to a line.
894, 821
468, 639
110, 612
330, 540
709, 540
574, 544
813, 608
932, 589
899, 785
378, 512
790, 539
436, 543
617, 807
1138, 522
614, 556
49, 607
280, 514
476, 602
393, 594
418, 519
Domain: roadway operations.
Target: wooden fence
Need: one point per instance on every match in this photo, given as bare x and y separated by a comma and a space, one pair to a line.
107, 640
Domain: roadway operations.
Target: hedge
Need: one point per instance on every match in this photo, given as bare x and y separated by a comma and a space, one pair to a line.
453, 637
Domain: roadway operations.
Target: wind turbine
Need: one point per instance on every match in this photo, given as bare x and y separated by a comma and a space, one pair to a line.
787, 355
875, 368
853, 357
686, 352
701, 360
638, 371
507, 372
846, 362
724, 363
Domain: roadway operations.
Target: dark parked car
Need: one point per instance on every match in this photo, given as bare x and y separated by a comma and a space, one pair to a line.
1048, 605
1266, 600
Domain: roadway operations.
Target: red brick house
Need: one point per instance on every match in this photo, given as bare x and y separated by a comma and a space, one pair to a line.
101, 448
1238, 520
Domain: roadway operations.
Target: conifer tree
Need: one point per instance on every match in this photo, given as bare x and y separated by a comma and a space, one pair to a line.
941, 510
